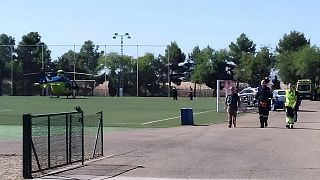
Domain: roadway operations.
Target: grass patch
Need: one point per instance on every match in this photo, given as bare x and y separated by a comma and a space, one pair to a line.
124, 112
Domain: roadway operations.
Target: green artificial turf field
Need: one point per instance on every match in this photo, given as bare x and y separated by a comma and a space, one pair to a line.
126, 112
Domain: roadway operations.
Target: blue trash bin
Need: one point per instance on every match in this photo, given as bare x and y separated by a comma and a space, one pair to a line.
186, 116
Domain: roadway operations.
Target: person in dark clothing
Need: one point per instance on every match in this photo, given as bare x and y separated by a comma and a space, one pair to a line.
263, 96
191, 93
296, 107
174, 93
232, 103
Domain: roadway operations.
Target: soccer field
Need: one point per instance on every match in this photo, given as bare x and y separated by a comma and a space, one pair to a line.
126, 112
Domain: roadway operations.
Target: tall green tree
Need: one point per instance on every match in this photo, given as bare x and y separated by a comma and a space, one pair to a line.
5, 57
67, 61
287, 60
262, 65
209, 66
288, 67
242, 45
292, 42
149, 73
202, 64
33, 54
176, 56
308, 63
120, 68
254, 67
88, 57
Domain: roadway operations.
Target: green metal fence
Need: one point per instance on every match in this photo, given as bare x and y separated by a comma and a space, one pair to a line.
55, 140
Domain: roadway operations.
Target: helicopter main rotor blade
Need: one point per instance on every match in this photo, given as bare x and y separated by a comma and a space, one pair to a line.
28, 74
78, 73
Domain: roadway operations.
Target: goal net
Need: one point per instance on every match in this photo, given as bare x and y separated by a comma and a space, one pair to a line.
223, 89
86, 87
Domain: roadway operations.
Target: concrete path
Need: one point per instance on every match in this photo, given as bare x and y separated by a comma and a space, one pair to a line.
212, 152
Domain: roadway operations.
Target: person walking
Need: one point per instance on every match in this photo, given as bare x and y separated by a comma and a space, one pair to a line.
174, 93
263, 96
298, 103
290, 103
190, 93
232, 103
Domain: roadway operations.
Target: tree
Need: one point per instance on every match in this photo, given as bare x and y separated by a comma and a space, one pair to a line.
149, 72
262, 65
202, 68
33, 54
88, 57
308, 63
242, 45
288, 67
292, 42
293, 51
253, 68
176, 56
5, 57
209, 66
66, 61
244, 71
120, 68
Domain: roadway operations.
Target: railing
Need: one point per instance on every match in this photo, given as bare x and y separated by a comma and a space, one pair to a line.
54, 140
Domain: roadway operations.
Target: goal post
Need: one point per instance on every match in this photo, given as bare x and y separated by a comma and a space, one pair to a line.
86, 87
223, 89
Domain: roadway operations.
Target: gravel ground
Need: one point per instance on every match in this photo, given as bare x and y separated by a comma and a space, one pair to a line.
11, 167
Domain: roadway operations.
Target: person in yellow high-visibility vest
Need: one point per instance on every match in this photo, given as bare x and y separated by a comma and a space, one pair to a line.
290, 103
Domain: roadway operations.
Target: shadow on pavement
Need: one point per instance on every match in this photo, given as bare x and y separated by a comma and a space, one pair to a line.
306, 128
307, 122
270, 127
294, 127
201, 125
302, 110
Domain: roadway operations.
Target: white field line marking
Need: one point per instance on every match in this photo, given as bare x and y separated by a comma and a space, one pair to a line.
5, 110
123, 123
160, 120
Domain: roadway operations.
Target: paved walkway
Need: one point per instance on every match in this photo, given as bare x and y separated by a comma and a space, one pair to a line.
213, 152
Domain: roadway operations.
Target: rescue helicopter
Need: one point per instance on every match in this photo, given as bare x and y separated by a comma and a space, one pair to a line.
59, 84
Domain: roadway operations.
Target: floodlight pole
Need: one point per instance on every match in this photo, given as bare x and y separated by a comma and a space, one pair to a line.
12, 63
105, 70
169, 72
42, 64
74, 65
121, 66
137, 70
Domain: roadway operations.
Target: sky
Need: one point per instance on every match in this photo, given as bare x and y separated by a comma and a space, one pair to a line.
190, 23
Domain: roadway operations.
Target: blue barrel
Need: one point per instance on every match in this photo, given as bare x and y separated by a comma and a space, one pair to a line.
186, 116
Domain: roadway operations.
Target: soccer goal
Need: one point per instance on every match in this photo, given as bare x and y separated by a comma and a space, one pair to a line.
223, 89
85, 87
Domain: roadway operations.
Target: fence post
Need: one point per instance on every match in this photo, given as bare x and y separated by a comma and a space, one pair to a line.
49, 142
101, 123
67, 138
70, 139
82, 138
27, 142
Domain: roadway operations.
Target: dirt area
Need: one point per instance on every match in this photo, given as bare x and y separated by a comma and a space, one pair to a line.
11, 167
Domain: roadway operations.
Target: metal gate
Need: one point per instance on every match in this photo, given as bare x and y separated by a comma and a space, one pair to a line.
55, 140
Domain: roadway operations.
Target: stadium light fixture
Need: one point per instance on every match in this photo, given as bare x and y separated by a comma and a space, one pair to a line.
121, 45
